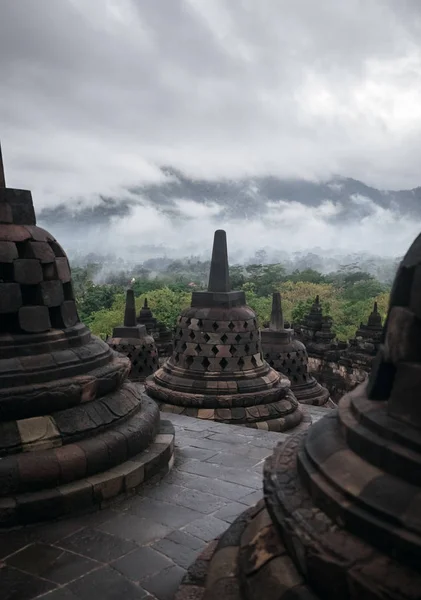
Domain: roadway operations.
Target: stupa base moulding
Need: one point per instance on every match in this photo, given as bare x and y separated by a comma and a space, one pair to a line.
252, 559
93, 491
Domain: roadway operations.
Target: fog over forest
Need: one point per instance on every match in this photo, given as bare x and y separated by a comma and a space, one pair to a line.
141, 127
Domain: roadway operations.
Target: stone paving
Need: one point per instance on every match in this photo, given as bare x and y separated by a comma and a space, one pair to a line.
140, 547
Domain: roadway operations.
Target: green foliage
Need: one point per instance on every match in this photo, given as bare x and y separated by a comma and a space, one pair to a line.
165, 303
95, 298
347, 295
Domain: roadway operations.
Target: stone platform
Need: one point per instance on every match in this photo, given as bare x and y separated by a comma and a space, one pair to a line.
140, 547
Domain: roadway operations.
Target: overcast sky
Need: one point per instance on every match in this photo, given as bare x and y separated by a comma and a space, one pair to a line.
94, 94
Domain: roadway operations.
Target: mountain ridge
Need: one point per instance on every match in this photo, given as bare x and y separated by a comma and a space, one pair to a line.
241, 198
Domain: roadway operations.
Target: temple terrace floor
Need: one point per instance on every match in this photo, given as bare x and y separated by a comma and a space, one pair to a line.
140, 547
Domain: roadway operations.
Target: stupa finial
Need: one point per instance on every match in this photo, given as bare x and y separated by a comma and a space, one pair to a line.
276, 317
375, 311
145, 303
2, 176
317, 300
219, 279
130, 310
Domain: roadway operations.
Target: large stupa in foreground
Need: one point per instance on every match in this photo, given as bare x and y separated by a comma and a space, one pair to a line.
73, 428
217, 370
341, 516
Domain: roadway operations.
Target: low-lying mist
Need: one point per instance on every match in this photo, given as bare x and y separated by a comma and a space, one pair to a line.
323, 237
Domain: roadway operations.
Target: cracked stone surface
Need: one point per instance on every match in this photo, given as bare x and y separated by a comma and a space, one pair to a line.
140, 547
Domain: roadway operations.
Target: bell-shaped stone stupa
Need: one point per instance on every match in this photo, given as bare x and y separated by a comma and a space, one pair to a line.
217, 370
342, 511
161, 334
289, 356
133, 341
372, 332
69, 417
316, 327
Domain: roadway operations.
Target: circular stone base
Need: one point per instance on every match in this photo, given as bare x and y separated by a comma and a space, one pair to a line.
336, 563
94, 491
278, 416
248, 561
312, 393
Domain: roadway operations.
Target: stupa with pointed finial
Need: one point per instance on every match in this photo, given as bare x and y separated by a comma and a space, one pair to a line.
341, 516
132, 340
372, 332
68, 414
161, 334
289, 356
363, 348
217, 370
316, 327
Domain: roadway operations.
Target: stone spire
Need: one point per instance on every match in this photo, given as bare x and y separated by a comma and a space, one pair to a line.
65, 401
276, 316
130, 328
217, 370
375, 320
289, 356
2, 176
219, 279
133, 340
341, 516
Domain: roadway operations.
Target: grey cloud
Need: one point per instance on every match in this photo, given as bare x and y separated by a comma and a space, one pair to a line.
95, 95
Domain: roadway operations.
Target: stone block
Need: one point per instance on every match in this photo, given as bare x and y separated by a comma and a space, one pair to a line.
13, 233
50, 293
8, 252
38, 433
10, 298
403, 336
65, 315
63, 269
34, 319
6, 215
38, 234
106, 485
72, 461
404, 398
39, 250
49, 271
38, 470
76, 496
27, 271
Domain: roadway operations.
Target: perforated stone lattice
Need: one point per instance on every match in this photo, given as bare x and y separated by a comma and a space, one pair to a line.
36, 291
293, 364
143, 358
217, 345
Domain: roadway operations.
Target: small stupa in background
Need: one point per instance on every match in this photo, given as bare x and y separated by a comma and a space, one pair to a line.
133, 341
317, 327
289, 356
161, 334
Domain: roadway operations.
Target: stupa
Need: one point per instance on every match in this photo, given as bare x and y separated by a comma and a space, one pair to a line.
161, 334
369, 336
316, 327
132, 340
73, 429
341, 516
289, 356
217, 370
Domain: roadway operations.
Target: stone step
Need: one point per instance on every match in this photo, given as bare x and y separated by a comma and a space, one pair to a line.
95, 491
